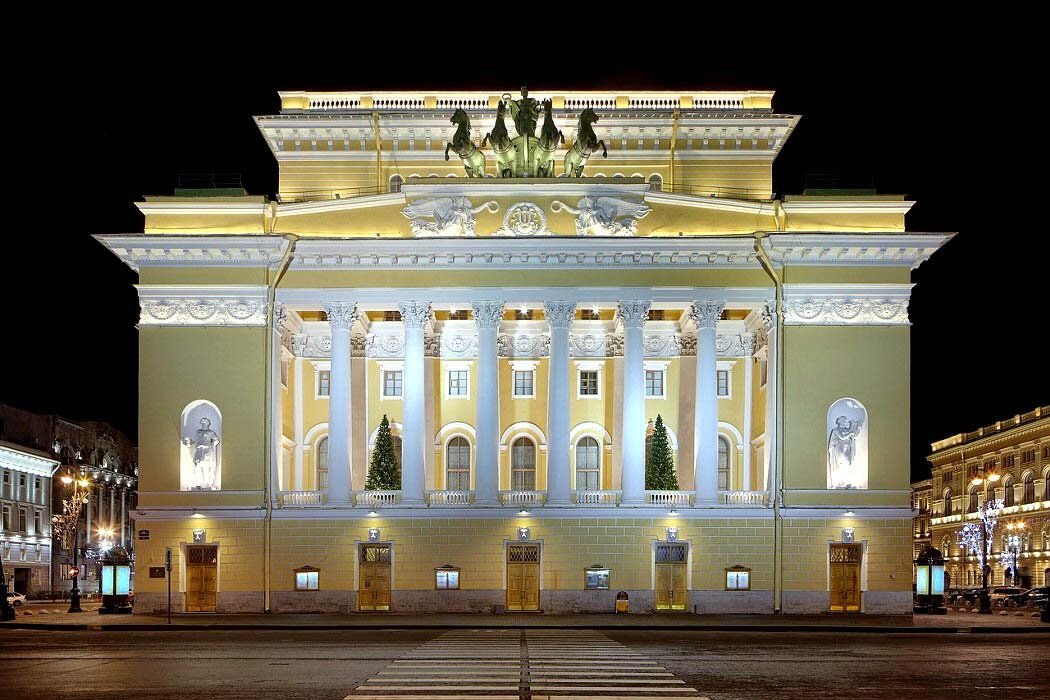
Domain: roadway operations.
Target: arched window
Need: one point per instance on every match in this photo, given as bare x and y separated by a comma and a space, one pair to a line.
947, 501
457, 464
1029, 488
1046, 488
1008, 492
723, 463
587, 465
656, 183
322, 464
395, 183
973, 504
523, 465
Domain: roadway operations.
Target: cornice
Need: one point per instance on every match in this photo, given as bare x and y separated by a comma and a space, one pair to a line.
848, 249
232, 305
833, 206
20, 461
846, 305
196, 206
980, 447
340, 204
712, 203
145, 250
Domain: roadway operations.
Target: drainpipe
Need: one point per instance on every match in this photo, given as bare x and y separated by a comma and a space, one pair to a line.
777, 460
271, 292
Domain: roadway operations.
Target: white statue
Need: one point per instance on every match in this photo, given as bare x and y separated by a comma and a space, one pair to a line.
203, 445
445, 216
598, 216
847, 445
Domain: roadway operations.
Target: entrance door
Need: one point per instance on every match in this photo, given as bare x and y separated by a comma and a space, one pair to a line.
671, 562
201, 578
373, 593
844, 577
523, 577
21, 581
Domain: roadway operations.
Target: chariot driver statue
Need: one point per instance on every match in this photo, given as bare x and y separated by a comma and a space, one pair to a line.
525, 112
203, 444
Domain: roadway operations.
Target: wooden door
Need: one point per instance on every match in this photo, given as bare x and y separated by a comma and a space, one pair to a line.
201, 578
844, 577
373, 593
671, 562
523, 577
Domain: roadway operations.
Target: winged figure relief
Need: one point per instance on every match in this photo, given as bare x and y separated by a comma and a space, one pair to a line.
445, 216
605, 216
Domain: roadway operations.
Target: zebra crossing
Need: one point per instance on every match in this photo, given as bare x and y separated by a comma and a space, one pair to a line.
540, 664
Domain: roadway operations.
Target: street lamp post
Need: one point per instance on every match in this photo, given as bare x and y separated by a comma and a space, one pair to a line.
67, 528
989, 513
1014, 540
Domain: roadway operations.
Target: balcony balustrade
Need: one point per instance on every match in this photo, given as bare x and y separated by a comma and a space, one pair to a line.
376, 499
668, 498
742, 498
301, 499
522, 498
450, 498
597, 498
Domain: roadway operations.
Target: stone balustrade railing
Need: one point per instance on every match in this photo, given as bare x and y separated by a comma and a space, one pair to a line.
668, 498
376, 499
303, 498
450, 498
742, 498
596, 498
522, 498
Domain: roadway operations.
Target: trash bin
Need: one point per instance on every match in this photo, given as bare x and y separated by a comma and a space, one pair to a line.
622, 602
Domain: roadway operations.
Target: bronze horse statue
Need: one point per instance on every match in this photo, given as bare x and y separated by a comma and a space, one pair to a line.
472, 157
550, 139
502, 147
586, 143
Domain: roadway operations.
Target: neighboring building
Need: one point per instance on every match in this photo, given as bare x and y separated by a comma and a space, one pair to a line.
103, 455
920, 504
522, 334
25, 528
1016, 453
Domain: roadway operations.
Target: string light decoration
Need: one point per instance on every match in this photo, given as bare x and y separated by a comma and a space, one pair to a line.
977, 540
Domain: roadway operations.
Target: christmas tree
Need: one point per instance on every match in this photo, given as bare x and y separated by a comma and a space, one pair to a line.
659, 463
384, 472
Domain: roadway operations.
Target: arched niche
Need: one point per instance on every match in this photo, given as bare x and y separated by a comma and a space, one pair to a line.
200, 433
847, 445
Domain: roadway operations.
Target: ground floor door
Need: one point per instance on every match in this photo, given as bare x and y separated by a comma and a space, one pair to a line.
21, 582
844, 577
201, 577
523, 577
373, 591
671, 564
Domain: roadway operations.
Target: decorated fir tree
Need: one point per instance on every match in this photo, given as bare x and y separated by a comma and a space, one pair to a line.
384, 472
659, 463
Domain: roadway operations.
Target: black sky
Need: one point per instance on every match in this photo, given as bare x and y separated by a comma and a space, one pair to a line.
943, 112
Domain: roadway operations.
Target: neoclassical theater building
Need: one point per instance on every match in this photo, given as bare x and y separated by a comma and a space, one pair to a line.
521, 284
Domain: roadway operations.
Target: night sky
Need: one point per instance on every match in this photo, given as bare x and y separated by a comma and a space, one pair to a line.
934, 121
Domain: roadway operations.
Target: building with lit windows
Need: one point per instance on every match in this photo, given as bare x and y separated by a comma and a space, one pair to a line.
521, 310
1006, 464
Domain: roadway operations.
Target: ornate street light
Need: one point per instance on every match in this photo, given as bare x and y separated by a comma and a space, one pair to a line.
1014, 541
66, 527
976, 538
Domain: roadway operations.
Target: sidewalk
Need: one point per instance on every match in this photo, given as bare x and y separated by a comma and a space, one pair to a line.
952, 623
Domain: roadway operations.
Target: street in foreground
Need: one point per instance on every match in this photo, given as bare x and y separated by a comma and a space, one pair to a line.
511, 663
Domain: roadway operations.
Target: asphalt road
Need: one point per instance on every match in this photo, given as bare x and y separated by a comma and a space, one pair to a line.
331, 665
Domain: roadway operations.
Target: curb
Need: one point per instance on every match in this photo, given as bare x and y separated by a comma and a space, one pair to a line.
856, 629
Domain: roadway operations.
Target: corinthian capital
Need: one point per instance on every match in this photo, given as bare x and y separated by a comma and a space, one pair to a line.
769, 317
633, 314
414, 314
705, 314
559, 313
341, 314
487, 314
280, 317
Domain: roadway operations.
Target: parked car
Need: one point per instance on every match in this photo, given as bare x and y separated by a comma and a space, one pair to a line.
15, 599
999, 594
1038, 596
962, 595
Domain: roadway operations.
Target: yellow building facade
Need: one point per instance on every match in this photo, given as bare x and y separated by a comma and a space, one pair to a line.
521, 330
1005, 465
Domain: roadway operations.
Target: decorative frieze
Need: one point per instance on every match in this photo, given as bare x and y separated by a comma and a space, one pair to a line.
588, 345
524, 345
385, 345
458, 345
855, 305
202, 306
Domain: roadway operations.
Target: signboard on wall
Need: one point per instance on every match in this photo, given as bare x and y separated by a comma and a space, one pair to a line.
156, 572
143, 534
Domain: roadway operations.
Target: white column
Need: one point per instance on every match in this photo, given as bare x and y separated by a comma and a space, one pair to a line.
341, 315
414, 315
112, 506
280, 318
123, 514
560, 315
769, 322
487, 317
633, 315
297, 420
748, 341
705, 315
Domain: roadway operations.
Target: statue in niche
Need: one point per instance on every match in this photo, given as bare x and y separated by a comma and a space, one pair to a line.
847, 446
203, 446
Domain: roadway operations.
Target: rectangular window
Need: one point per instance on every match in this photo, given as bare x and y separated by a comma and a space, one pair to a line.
23, 520
1028, 456
654, 383
392, 382
324, 382
596, 579
738, 579
1009, 461
391, 315
307, 579
458, 382
7, 518
723, 382
37, 529
589, 315
446, 579
524, 382
588, 382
